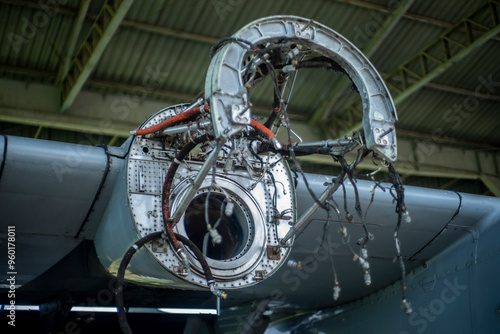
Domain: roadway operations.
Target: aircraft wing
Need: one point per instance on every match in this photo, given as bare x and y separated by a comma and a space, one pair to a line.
200, 210
450, 242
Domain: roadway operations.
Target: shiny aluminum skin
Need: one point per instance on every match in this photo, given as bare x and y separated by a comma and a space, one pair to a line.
224, 86
258, 197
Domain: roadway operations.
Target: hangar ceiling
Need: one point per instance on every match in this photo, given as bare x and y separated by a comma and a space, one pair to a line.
90, 71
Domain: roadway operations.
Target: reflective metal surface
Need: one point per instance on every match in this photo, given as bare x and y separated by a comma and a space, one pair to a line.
259, 192
224, 86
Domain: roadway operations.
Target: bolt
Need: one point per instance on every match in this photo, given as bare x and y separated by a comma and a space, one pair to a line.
385, 133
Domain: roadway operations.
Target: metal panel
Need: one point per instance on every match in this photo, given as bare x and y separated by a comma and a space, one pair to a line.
455, 292
34, 253
3, 152
427, 220
46, 181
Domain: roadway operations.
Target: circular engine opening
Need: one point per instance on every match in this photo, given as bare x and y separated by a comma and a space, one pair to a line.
233, 228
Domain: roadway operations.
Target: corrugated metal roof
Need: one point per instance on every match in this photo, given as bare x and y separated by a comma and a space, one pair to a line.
479, 64
169, 42
34, 37
404, 41
455, 115
448, 11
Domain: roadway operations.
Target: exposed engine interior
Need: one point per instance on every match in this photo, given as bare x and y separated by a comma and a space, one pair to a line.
209, 190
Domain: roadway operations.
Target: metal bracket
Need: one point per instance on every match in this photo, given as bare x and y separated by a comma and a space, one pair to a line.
259, 275
274, 252
160, 246
240, 114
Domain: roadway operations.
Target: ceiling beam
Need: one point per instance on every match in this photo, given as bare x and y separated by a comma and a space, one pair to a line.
454, 90
29, 72
122, 88
445, 140
258, 110
146, 27
324, 110
461, 91
99, 36
408, 15
430, 62
164, 31
65, 122
387, 27
41, 4
73, 38
492, 182
211, 40
188, 97
418, 157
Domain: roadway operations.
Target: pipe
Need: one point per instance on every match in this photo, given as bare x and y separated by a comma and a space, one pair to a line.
191, 111
202, 173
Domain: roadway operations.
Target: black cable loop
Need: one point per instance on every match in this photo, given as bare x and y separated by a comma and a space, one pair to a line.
122, 317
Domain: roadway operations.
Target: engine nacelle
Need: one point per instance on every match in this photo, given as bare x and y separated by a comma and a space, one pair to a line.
212, 175
249, 203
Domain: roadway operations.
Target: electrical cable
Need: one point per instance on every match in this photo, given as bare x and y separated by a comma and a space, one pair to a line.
321, 63
168, 224
299, 168
276, 107
336, 287
262, 129
362, 257
348, 215
290, 144
400, 209
122, 317
266, 133
322, 245
359, 211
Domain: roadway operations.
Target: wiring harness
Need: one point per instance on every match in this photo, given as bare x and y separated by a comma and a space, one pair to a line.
220, 132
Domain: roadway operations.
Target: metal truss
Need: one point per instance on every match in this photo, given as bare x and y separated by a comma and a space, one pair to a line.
341, 85
453, 45
105, 25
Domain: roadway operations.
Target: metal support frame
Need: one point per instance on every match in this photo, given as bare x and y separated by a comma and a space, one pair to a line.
437, 57
91, 50
66, 122
455, 90
492, 182
64, 10
73, 37
200, 176
410, 16
324, 110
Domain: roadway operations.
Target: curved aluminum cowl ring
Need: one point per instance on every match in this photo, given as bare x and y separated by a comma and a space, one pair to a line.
225, 90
